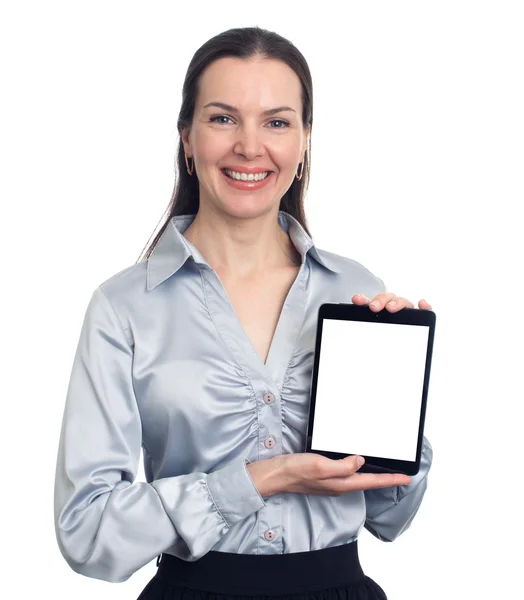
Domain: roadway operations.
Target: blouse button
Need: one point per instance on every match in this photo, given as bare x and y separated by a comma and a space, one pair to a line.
269, 398
270, 535
269, 443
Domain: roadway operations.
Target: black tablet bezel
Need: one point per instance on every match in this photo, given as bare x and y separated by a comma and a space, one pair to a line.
354, 312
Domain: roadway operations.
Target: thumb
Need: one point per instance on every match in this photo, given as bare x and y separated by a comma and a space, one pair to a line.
354, 461
345, 467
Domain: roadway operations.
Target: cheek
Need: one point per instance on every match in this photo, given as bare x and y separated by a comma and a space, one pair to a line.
285, 154
210, 147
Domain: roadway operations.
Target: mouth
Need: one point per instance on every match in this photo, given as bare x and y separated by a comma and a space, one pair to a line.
247, 182
240, 176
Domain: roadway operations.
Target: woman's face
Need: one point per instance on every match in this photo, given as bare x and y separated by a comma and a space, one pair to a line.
242, 138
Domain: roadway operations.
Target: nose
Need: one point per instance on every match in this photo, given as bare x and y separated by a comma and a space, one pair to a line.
249, 142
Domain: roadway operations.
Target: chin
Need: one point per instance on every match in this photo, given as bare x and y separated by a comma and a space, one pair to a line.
247, 208
251, 212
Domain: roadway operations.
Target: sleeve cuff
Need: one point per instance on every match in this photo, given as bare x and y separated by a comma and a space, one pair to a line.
233, 491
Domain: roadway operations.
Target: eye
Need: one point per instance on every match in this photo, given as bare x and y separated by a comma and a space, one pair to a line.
214, 119
285, 124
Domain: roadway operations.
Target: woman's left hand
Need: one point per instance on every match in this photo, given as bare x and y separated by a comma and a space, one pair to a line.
390, 301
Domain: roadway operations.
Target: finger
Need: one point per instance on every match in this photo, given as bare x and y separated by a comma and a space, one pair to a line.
360, 299
364, 481
424, 305
380, 300
344, 467
379, 480
398, 303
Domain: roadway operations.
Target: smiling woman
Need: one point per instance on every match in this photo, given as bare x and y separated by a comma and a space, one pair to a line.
247, 104
229, 148
201, 357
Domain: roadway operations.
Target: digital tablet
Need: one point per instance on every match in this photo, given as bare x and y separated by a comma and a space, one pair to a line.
370, 384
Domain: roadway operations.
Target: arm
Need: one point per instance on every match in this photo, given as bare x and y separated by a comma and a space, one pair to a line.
389, 511
108, 527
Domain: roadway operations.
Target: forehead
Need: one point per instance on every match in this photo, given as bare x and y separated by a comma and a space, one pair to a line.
250, 84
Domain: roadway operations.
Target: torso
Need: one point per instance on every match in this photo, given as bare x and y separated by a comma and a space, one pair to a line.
258, 304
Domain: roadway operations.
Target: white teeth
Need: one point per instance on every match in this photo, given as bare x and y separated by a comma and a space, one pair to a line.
245, 177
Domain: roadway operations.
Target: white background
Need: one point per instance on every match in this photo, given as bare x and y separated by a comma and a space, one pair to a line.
417, 161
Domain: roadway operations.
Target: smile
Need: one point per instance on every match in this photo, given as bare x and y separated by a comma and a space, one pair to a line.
245, 176
243, 181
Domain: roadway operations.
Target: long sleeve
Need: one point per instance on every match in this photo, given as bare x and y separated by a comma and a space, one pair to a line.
108, 527
390, 511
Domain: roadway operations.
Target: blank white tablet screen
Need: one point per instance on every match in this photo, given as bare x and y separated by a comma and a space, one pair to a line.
369, 388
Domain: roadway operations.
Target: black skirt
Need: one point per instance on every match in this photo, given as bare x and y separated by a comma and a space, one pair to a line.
329, 574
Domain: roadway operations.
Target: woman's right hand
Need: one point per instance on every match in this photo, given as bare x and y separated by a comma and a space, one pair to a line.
310, 473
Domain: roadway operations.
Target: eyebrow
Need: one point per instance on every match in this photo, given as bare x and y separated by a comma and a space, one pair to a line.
271, 111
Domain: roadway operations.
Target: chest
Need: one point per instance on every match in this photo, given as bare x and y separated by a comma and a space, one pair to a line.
258, 304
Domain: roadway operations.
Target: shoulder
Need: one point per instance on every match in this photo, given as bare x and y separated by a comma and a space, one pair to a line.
130, 280
349, 268
125, 290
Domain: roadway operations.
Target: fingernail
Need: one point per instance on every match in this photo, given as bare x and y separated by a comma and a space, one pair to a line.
392, 303
360, 461
375, 304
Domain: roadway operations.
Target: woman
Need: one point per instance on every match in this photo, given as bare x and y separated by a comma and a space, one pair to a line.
202, 356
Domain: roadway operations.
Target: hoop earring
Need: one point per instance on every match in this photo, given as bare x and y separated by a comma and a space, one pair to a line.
301, 170
192, 165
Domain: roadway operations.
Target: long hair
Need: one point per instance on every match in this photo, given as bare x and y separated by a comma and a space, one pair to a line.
242, 42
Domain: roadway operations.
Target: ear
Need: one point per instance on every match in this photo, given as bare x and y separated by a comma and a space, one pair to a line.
307, 133
186, 141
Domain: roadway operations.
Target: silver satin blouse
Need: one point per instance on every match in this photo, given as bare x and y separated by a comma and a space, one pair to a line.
164, 367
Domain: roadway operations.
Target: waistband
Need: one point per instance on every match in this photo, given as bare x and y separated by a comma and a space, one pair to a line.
231, 573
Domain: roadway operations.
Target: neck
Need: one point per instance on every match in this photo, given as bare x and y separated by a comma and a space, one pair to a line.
242, 247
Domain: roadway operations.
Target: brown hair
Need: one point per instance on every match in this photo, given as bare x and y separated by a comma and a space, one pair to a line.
243, 42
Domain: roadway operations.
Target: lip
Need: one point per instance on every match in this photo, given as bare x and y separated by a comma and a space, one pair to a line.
247, 170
